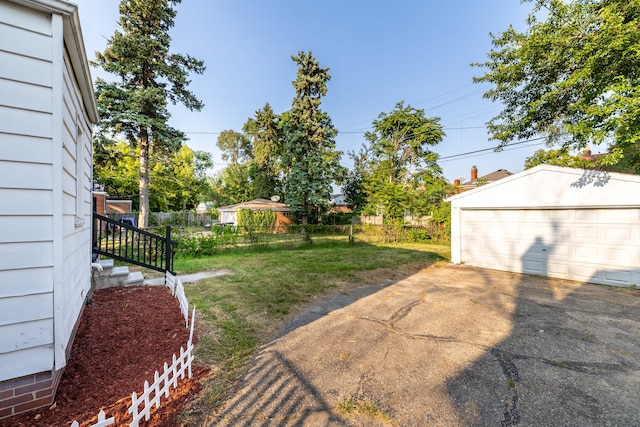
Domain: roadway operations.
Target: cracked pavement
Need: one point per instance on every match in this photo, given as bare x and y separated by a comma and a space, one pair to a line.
452, 346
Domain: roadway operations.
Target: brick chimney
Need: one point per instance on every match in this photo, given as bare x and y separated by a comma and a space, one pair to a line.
456, 182
474, 173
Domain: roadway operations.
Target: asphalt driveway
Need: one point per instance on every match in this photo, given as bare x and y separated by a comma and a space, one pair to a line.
451, 346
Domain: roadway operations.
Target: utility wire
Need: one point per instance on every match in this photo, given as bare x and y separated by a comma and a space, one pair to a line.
490, 149
486, 152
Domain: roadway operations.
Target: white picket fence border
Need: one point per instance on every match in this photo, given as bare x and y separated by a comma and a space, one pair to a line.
161, 384
102, 422
177, 290
170, 373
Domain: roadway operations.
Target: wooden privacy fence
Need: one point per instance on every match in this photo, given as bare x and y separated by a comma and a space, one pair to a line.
142, 405
187, 219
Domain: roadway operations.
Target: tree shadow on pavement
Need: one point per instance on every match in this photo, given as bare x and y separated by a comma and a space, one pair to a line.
569, 355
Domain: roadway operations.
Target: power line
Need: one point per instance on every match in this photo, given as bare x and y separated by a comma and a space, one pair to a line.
491, 150
348, 132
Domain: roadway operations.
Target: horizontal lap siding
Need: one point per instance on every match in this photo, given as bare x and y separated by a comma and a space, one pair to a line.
26, 191
22, 148
20, 282
26, 361
594, 245
76, 182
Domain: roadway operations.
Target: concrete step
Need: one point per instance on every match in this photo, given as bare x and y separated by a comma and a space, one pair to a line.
107, 266
116, 276
134, 279
106, 263
119, 271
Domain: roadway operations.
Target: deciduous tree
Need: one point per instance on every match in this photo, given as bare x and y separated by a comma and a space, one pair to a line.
235, 147
560, 157
264, 131
573, 75
178, 180
401, 173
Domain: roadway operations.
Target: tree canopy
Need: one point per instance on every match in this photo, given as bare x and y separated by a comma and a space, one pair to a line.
573, 76
398, 173
149, 77
178, 180
235, 146
264, 132
560, 157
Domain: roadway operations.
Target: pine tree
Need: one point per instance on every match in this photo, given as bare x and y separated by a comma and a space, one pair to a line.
149, 76
309, 157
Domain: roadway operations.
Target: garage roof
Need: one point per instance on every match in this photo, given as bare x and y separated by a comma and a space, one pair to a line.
547, 186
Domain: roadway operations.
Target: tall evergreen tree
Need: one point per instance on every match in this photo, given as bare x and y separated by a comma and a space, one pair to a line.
310, 160
149, 76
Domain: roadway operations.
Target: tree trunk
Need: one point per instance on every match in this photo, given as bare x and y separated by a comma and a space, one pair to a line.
143, 215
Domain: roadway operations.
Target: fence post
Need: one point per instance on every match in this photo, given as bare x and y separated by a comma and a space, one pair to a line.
168, 249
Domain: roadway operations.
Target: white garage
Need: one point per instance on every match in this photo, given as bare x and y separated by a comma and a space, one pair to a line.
552, 221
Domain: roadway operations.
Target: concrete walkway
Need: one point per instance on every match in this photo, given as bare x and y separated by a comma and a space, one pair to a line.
186, 278
452, 346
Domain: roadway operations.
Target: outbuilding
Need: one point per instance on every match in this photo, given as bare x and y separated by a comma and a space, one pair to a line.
229, 214
553, 221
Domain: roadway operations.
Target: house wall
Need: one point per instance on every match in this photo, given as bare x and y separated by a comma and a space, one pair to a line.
120, 206
73, 282
45, 216
26, 188
227, 217
283, 219
100, 202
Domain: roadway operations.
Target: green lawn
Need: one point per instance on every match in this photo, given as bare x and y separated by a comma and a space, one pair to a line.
238, 311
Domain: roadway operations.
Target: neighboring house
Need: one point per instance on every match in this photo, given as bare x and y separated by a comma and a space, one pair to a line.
204, 207
338, 205
476, 181
339, 209
587, 155
47, 111
103, 205
119, 206
338, 199
553, 221
228, 214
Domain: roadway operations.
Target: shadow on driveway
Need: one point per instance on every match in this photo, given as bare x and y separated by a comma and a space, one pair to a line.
452, 346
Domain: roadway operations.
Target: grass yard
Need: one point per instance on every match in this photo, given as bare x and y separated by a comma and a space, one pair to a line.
239, 311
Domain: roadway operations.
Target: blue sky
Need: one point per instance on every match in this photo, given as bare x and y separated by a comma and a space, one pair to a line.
379, 52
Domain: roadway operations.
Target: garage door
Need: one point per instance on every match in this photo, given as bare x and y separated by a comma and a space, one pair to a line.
591, 245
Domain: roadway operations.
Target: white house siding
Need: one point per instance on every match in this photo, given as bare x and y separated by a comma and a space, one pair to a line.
26, 211
552, 221
46, 111
73, 282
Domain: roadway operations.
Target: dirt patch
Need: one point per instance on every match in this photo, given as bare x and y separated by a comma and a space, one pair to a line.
124, 336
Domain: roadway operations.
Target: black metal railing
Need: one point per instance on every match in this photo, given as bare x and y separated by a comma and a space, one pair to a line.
125, 242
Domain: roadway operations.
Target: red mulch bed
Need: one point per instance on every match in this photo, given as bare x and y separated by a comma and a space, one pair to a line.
124, 336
